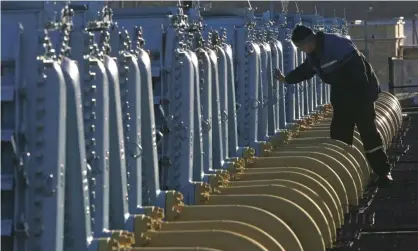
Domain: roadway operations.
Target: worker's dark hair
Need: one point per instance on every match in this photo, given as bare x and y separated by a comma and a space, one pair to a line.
301, 33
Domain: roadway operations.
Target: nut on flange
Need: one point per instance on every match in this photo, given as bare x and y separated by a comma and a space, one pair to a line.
248, 154
303, 125
265, 149
318, 116
107, 244
174, 204
125, 238
327, 110
236, 167
142, 226
219, 179
280, 139
156, 214
294, 129
202, 192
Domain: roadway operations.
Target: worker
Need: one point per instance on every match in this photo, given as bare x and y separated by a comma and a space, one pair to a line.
354, 89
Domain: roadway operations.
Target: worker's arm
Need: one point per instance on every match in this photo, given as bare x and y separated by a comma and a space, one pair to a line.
299, 74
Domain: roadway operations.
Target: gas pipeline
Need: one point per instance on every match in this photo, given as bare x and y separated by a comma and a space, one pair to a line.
165, 129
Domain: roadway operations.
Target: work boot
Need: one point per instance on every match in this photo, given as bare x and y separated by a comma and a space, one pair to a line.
384, 180
380, 180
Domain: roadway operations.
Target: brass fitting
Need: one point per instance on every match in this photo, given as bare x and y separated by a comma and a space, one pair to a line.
108, 244
236, 167
202, 192
156, 214
280, 139
124, 238
218, 180
142, 225
318, 116
174, 205
327, 109
303, 124
248, 154
295, 129
310, 120
265, 149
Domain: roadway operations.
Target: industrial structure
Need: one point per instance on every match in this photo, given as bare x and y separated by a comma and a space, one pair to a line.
165, 129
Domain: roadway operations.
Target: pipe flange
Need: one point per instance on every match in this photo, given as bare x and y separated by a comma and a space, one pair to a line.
218, 180
174, 205
124, 238
248, 154
156, 214
202, 192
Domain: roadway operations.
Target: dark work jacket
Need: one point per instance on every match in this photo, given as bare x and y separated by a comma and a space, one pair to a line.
338, 63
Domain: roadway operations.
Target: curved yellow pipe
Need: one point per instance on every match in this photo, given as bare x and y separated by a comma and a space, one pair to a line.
302, 224
312, 164
354, 155
335, 159
318, 140
234, 226
326, 134
218, 239
353, 149
350, 181
305, 180
273, 173
393, 112
262, 219
350, 152
297, 197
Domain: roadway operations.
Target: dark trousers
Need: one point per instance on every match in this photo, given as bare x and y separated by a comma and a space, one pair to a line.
342, 128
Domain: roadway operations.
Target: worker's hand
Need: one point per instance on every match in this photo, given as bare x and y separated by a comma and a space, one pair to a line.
280, 76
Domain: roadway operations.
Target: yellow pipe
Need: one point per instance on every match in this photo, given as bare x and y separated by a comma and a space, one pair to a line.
297, 197
218, 239
300, 221
393, 112
354, 155
304, 180
354, 150
315, 197
336, 160
326, 134
281, 163
234, 226
387, 118
262, 219
273, 173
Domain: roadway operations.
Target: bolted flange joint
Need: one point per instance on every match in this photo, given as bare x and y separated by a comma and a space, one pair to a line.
143, 226
124, 238
107, 244
202, 192
236, 167
265, 149
248, 154
218, 180
156, 214
173, 205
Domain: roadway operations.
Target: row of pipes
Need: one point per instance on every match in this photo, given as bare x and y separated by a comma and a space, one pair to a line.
174, 136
